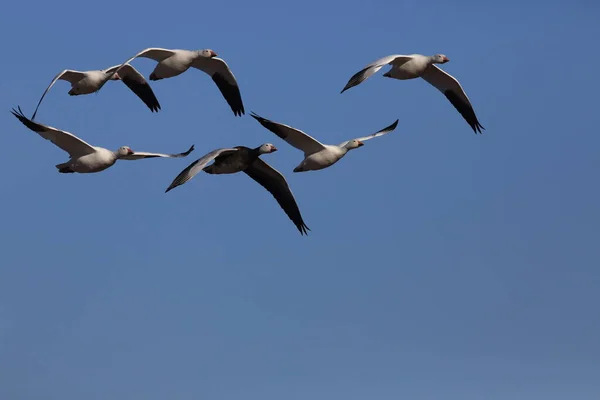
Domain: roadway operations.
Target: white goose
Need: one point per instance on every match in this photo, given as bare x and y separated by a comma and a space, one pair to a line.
175, 62
85, 158
316, 154
86, 82
416, 65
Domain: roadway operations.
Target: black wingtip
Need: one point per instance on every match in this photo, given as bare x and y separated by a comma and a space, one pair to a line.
303, 228
19, 114
477, 127
256, 116
306, 228
154, 107
188, 151
349, 85
172, 186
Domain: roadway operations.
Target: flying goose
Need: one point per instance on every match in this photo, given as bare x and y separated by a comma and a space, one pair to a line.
85, 158
241, 158
415, 66
175, 62
316, 154
86, 82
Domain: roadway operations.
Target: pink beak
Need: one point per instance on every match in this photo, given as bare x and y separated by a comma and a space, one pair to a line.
213, 54
360, 143
129, 151
446, 59
273, 148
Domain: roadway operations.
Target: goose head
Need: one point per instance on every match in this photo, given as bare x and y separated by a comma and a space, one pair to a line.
266, 148
439, 59
124, 151
354, 144
207, 53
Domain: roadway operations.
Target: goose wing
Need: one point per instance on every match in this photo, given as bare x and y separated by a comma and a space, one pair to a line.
451, 88
136, 82
69, 75
384, 131
62, 139
197, 166
292, 136
372, 68
220, 73
272, 180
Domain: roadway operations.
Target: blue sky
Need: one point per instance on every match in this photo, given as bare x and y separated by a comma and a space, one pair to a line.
441, 264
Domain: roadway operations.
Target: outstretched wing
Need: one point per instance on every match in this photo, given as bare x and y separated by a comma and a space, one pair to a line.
66, 75
138, 85
454, 92
218, 69
272, 180
384, 131
154, 53
293, 136
372, 68
138, 155
62, 139
197, 166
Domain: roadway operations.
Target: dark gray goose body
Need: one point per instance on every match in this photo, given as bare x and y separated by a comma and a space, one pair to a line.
247, 160
230, 163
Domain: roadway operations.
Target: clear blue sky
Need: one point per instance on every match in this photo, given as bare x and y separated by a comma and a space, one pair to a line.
441, 264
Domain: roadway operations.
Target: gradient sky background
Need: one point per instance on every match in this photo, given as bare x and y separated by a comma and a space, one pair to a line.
441, 264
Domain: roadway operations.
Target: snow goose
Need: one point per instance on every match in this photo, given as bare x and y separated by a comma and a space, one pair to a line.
85, 158
316, 154
415, 66
240, 158
86, 82
175, 62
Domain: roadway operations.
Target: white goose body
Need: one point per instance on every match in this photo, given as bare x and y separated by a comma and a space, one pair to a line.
97, 161
410, 69
174, 65
90, 83
322, 159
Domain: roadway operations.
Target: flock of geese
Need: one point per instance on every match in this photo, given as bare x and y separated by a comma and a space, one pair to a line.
86, 158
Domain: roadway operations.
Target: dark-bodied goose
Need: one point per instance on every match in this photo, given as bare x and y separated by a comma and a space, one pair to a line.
316, 154
86, 82
85, 158
175, 62
419, 66
247, 160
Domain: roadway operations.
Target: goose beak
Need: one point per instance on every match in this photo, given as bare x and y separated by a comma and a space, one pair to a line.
360, 144
213, 54
129, 152
446, 59
273, 149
